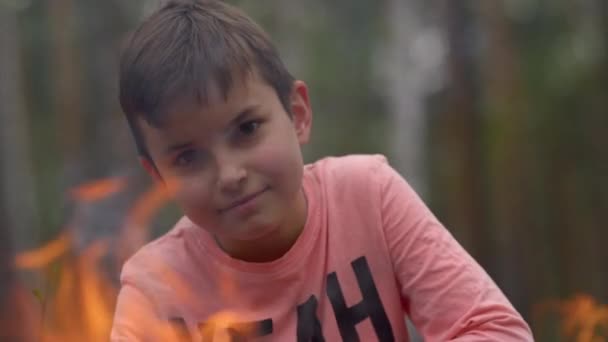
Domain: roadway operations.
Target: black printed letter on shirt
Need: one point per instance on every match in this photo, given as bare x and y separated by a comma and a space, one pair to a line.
309, 327
370, 306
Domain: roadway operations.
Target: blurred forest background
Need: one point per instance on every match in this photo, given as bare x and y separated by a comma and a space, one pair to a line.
495, 111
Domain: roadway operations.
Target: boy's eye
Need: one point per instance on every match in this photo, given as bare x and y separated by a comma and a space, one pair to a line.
185, 158
249, 127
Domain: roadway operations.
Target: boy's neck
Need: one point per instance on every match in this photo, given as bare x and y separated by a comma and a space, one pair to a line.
274, 245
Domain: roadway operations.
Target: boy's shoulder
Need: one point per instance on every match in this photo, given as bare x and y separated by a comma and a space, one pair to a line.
348, 170
159, 255
349, 164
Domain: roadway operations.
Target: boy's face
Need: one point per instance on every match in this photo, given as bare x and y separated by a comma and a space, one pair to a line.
236, 163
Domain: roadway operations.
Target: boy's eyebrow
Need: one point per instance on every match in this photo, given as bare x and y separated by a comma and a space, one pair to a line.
177, 147
243, 113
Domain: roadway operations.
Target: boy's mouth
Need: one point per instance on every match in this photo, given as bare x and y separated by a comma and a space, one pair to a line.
243, 200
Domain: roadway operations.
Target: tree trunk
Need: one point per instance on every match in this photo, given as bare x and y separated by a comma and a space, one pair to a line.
16, 173
411, 64
508, 158
13, 315
457, 131
66, 89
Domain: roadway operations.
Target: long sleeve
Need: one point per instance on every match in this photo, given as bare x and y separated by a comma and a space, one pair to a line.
135, 319
133, 315
447, 294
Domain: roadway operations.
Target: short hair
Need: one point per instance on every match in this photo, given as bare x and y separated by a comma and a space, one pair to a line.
183, 49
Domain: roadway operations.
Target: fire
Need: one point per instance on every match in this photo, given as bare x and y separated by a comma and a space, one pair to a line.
98, 189
79, 303
150, 202
135, 234
79, 299
583, 318
226, 326
43, 256
81, 308
583, 314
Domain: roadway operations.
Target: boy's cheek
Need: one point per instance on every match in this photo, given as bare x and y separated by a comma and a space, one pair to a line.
192, 199
278, 157
198, 213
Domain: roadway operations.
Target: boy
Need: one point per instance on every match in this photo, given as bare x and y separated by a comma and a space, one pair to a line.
269, 248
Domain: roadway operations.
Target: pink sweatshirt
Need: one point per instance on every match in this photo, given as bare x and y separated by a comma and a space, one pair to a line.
371, 253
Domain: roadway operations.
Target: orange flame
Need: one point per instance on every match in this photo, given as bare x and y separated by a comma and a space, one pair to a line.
223, 325
134, 234
43, 256
581, 316
97, 190
150, 202
79, 306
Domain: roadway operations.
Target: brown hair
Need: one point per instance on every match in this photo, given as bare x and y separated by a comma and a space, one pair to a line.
185, 47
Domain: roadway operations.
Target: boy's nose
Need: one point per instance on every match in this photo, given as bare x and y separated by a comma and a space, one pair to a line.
231, 176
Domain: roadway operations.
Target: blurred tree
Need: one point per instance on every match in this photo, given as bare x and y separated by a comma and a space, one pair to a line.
411, 65
12, 309
105, 131
563, 57
455, 129
507, 153
16, 174
66, 73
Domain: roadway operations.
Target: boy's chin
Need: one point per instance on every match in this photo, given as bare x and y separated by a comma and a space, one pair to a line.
247, 232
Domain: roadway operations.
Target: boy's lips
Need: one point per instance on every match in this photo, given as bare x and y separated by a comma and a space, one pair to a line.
243, 200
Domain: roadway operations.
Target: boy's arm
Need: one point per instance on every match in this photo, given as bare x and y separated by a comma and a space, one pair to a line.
136, 319
447, 294
134, 315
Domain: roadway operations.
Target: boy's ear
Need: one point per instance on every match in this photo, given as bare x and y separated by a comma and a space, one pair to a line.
301, 111
150, 169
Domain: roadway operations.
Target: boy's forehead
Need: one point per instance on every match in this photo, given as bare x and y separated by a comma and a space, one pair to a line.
212, 94
245, 91
187, 118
